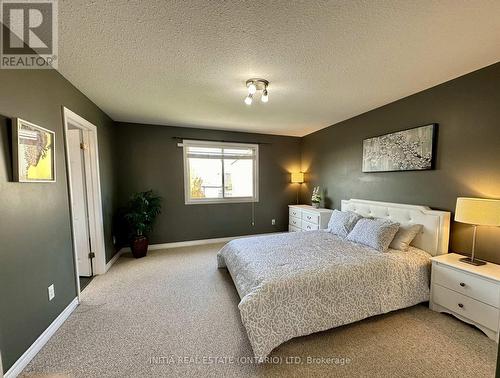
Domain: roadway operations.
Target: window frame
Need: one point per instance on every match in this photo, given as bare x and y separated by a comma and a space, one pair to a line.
199, 143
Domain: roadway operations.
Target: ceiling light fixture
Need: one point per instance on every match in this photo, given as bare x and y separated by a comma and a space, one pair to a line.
254, 85
252, 88
248, 99
265, 96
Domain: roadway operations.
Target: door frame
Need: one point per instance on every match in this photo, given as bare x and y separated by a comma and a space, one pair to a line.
96, 228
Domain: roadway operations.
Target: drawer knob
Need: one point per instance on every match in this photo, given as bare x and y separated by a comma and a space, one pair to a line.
461, 305
462, 284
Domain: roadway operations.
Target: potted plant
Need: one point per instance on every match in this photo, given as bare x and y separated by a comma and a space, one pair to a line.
316, 197
143, 208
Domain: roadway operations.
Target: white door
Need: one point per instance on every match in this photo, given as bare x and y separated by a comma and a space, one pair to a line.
79, 202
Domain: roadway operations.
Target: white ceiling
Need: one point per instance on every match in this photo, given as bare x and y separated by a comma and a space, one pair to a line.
185, 63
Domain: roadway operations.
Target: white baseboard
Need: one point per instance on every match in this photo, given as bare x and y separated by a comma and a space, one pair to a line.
27, 356
113, 259
190, 243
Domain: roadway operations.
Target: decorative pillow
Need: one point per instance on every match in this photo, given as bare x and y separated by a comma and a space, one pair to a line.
375, 233
342, 222
405, 236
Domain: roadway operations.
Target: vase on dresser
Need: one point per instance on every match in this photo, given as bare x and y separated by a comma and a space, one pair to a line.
316, 197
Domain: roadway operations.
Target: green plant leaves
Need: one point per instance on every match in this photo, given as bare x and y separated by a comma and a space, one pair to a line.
143, 208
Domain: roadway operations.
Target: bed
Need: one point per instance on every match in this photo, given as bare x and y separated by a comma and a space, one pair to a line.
295, 284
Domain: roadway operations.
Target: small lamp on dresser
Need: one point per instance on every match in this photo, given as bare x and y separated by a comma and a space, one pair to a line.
297, 178
477, 212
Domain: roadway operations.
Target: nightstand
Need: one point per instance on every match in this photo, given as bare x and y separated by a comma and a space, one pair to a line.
470, 293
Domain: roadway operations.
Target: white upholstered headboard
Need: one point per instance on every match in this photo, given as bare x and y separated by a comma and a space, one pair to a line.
435, 234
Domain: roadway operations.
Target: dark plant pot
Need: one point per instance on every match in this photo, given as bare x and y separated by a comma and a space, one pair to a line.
139, 246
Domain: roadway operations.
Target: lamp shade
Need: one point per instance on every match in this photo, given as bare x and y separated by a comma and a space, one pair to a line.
298, 177
478, 211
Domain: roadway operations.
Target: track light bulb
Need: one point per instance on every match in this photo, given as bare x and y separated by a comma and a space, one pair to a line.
248, 99
252, 88
265, 96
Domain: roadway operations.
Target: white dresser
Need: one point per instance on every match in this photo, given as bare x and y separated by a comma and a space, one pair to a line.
471, 293
307, 218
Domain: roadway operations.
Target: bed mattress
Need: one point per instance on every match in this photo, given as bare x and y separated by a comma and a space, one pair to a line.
295, 284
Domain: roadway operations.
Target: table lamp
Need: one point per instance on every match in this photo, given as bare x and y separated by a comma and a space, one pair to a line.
297, 178
478, 212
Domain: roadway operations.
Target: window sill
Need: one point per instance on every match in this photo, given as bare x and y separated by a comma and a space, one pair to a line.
221, 201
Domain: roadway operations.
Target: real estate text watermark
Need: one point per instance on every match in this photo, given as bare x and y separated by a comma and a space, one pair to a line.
248, 360
29, 34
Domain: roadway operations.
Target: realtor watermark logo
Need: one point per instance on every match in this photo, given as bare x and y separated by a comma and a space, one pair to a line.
28, 34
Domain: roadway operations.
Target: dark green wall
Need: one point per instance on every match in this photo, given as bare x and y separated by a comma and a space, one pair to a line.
35, 233
467, 110
148, 158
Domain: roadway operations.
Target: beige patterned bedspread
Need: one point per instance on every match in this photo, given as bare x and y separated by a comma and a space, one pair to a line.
295, 284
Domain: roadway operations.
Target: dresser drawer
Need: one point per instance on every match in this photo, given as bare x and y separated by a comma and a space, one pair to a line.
293, 228
294, 212
297, 222
467, 307
310, 217
467, 284
307, 226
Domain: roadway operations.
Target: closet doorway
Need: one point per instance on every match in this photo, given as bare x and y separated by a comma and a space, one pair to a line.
84, 197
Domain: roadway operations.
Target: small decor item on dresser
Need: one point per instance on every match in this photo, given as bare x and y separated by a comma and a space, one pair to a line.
316, 197
143, 208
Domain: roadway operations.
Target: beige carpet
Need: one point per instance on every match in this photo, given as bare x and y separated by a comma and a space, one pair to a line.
167, 314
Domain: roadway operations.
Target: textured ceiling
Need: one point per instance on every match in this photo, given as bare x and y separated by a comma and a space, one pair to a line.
185, 63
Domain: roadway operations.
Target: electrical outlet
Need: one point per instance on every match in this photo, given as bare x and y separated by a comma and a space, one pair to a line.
273, 222
51, 291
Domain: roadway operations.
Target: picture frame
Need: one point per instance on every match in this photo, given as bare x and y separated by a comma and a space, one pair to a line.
411, 149
33, 152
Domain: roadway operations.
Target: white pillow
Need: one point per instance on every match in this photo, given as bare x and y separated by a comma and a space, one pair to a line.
405, 236
375, 233
342, 222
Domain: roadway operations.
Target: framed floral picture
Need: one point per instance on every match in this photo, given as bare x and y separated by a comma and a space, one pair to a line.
34, 152
407, 150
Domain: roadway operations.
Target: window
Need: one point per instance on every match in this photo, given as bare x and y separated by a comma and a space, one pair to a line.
216, 172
